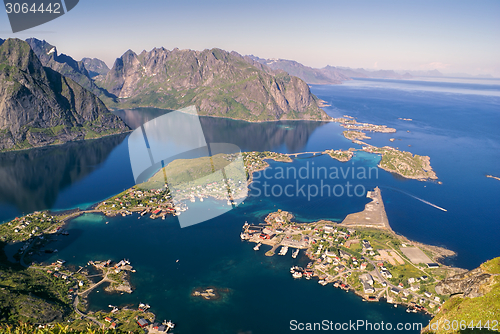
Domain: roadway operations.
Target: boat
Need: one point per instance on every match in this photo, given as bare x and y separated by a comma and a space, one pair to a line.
294, 254
256, 248
170, 324
321, 281
283, 250
297, 274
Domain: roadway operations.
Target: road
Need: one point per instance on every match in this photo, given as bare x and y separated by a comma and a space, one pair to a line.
75, 306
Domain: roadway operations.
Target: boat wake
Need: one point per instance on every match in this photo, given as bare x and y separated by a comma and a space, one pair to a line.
417, 198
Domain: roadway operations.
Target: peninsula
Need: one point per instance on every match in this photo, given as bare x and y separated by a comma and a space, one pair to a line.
361, 254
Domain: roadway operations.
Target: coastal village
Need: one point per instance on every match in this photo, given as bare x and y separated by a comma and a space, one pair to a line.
362, 254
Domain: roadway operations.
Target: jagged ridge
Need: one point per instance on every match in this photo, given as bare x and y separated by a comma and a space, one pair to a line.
39, 106
219, 83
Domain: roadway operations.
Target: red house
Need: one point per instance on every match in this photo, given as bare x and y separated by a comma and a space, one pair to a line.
142, 322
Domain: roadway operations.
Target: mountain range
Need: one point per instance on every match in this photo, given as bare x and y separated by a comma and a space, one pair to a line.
217, 82
329, 74
48, 97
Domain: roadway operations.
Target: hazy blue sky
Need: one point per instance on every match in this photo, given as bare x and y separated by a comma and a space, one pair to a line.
452, 36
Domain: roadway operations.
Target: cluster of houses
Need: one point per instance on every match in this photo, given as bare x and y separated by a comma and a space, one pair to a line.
155, 327
328, 247
57, 273
353, 125
254, 160
27, 227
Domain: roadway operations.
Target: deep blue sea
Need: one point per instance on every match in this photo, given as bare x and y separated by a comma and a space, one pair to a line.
455, 122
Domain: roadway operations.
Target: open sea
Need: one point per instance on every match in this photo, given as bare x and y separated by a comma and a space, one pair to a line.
454, 121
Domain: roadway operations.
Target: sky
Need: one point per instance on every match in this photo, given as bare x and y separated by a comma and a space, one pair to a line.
450, 36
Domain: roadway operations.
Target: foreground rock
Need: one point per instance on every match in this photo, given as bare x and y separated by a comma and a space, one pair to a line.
39, 106
475, 301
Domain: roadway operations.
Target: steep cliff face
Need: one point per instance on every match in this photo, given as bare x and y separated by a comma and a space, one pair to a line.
95, 66
475, 299
219, 83
70, 68
39, 106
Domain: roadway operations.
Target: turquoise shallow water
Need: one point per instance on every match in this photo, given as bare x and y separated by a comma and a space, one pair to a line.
458, 131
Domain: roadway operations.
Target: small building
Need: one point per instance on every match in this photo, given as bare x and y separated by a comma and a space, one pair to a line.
427, 294
113, 325
367, 278
394, 290
108, 319
328, 228
267, 231
61, 262
142, 322
411, 280
366, 245
344, 254
432, 265
367, 288
386, 273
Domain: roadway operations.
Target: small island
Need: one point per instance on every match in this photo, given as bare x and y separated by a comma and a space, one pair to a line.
209, 293
403, 163
351, 124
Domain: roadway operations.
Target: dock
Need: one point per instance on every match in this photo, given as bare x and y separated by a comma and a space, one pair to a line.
373, 215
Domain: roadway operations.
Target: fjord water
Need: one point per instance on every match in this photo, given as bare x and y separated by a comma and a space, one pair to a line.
453, 123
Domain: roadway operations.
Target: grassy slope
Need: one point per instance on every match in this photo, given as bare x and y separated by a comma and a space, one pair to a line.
484, 308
